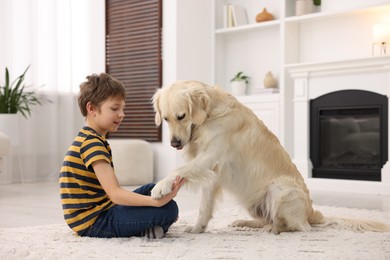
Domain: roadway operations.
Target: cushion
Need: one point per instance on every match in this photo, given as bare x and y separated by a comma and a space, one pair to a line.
133, 161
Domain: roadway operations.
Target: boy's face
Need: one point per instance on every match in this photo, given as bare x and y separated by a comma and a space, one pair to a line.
109, 116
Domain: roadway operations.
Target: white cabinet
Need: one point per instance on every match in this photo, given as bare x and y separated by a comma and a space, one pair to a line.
266, 108
338, 30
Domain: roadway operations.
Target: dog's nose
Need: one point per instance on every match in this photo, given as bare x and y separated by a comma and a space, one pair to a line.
176, 143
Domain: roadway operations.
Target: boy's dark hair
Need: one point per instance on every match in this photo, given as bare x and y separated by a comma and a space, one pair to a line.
98, 88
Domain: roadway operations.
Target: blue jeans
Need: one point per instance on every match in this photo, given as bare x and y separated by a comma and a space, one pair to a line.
127, 221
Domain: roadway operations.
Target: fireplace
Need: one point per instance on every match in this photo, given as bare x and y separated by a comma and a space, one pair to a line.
349, 135
368, 76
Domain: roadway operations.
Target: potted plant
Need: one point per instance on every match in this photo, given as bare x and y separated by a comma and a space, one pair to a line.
239, 84
15, 98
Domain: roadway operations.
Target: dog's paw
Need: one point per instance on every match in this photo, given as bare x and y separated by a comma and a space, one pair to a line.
161, 189
239, 223
195, 229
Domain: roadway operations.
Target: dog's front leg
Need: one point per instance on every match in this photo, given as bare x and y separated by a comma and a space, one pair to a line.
200, 170
206, 209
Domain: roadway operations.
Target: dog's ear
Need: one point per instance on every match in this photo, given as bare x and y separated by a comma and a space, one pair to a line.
199, 104
156, 106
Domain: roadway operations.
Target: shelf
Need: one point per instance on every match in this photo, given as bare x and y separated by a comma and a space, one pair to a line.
330, 15
248, 27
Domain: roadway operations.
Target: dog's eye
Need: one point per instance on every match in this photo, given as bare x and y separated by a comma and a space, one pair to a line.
166, 119
180, 117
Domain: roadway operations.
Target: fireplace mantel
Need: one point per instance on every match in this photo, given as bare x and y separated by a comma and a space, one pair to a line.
312, 80
379, 63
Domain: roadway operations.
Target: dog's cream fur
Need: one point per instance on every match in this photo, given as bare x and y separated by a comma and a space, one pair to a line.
229, 148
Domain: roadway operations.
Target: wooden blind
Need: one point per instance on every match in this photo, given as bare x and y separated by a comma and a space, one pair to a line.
133, 56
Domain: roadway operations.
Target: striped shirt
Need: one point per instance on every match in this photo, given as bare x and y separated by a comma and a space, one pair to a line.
82, 196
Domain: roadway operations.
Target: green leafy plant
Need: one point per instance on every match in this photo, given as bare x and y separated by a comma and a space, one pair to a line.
317, 2
240, 76
15, 98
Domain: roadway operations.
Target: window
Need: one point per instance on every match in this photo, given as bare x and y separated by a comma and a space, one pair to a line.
133, 55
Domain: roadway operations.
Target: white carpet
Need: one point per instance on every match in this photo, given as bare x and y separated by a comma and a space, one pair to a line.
219, 242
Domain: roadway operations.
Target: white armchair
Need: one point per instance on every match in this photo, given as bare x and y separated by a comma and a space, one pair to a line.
5, 144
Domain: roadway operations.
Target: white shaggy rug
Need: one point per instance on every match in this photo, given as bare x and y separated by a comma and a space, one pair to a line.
219, 242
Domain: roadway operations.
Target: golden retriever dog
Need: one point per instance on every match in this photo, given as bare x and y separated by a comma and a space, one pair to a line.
229, 148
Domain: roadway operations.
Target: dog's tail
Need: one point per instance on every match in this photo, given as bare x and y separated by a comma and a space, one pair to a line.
357, 225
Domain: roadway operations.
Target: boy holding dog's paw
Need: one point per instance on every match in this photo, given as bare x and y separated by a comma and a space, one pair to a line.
93, 202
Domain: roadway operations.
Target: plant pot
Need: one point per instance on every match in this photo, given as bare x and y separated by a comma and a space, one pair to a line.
303, 7
238, 88
9, 124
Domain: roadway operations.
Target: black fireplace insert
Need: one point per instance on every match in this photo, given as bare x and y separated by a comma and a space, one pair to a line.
349, 135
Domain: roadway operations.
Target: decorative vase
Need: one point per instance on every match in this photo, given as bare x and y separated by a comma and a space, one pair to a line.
9, 124
269, 80
264, 16
238, 88
303, 7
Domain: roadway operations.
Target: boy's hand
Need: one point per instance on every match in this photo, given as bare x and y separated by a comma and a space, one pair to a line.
178, 182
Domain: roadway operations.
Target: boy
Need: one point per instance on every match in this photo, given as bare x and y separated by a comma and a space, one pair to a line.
94, 204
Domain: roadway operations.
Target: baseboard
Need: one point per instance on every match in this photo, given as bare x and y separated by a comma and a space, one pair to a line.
349, 186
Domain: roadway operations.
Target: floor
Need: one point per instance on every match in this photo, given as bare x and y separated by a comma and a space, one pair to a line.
31, 204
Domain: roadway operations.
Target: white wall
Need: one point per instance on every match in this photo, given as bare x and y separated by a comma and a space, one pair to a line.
164, 157
194, 46
186, 56
63, 41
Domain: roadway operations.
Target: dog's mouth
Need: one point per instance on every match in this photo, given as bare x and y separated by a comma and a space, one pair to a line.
177, 147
